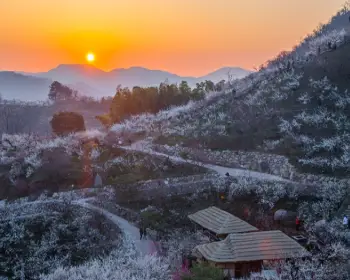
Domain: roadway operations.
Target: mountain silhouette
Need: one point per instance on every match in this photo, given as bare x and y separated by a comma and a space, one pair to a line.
92, 81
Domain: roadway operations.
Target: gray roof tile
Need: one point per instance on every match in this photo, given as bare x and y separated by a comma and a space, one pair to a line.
253, 246
220, 221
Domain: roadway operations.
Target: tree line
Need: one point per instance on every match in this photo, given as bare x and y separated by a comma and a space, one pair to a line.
128, 102
59, 93
138, 100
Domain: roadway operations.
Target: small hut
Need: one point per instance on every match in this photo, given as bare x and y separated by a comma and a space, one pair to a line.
243, 253
220, 223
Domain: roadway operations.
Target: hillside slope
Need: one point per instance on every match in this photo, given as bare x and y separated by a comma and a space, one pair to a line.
296, 105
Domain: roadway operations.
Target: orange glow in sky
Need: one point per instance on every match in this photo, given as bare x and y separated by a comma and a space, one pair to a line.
187, 37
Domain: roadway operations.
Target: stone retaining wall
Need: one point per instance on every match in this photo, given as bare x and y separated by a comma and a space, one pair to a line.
161, 188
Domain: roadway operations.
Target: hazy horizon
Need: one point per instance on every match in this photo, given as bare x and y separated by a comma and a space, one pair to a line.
120, 68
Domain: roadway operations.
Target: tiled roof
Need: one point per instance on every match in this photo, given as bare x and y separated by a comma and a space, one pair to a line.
253, 246
220, 221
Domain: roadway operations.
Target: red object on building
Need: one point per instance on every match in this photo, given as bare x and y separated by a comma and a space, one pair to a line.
297, 221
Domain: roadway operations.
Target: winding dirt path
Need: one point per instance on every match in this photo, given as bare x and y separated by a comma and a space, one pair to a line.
145, 246
235, 172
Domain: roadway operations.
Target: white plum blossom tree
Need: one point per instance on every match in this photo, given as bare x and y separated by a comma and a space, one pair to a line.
320, 43
23, 152
330, 263
322, 127
124, 263
38, 237
267, 192
276, 89
325, 204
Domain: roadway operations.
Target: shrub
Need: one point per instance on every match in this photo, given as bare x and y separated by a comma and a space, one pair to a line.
184, 154
204, 271
105, 120
64, 123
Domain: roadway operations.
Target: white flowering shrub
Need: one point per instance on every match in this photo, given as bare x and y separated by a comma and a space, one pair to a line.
272, 144
133, 161
267, 192
330, 263
328, 199
22, 154
95, 153
151, 123
179, 244
124, 263
276, 90
320, 43
38, 237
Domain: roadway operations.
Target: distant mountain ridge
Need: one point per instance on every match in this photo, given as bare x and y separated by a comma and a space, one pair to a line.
92, 81
22, 87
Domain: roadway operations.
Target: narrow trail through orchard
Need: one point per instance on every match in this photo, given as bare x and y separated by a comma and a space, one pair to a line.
235, 172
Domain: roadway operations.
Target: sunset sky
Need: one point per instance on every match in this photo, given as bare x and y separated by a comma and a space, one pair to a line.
187, 37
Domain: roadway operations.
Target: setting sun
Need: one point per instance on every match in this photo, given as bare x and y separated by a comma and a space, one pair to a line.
90, 57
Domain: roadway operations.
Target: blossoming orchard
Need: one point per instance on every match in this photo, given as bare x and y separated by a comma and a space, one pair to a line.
169, 193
